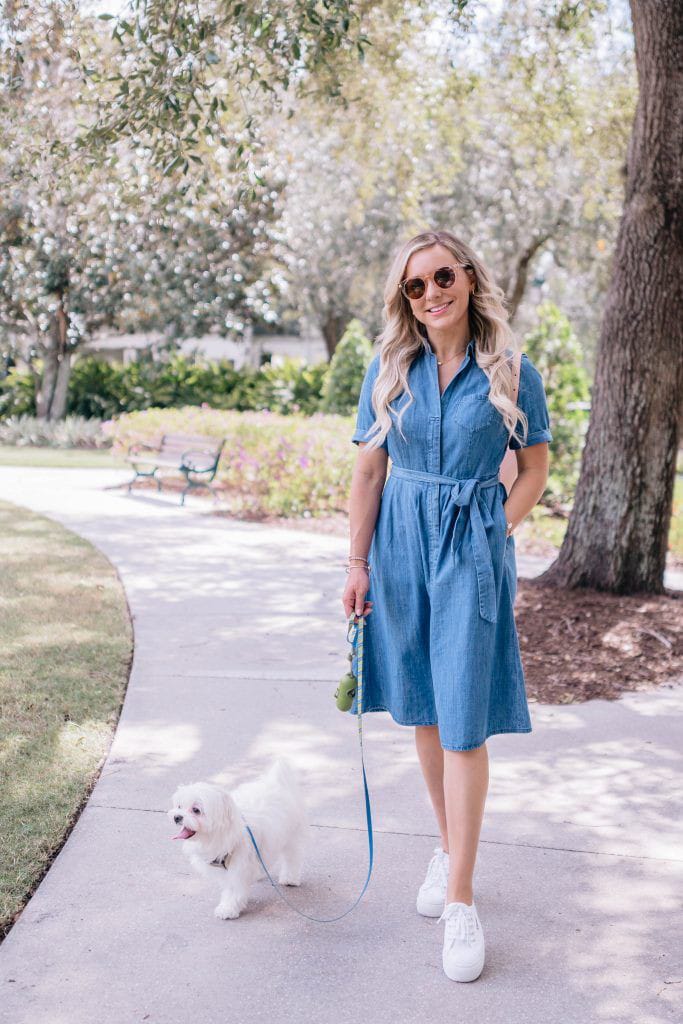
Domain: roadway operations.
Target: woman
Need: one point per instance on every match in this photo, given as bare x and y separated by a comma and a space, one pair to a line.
432, 547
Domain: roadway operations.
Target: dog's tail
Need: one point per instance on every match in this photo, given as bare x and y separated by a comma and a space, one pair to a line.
284, 770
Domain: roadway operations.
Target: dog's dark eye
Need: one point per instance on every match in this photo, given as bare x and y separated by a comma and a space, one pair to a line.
195, 810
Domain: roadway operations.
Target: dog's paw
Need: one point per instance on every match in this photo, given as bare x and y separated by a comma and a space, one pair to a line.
289, 880
227, 911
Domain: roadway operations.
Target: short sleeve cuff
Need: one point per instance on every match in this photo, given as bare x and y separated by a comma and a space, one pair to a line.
361, 435
536, 437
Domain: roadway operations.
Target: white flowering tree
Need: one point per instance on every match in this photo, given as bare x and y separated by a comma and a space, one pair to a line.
87, 246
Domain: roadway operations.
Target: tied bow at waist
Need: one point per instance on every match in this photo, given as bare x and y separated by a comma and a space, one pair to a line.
465, 495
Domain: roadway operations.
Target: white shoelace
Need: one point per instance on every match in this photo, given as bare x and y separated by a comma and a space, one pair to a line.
460, 924
437, 872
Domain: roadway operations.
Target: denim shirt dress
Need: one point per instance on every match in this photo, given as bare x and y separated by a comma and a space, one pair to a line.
440, 644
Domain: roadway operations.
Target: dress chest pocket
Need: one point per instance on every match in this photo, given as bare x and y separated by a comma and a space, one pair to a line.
475, 413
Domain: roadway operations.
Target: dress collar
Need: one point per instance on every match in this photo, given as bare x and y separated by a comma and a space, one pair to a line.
469, 351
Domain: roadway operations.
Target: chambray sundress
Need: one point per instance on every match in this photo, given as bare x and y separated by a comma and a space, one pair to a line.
440, 644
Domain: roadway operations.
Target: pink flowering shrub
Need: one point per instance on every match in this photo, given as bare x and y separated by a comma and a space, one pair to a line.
271, 464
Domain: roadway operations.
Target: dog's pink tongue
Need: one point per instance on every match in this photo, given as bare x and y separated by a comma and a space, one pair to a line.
184, 834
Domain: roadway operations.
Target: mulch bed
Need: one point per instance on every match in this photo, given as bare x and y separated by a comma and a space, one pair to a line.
580, 644
576, 645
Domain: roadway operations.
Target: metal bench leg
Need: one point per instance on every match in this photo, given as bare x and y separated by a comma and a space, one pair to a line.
193, 484
142, 475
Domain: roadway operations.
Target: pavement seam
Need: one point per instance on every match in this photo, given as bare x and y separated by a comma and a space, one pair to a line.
434, 835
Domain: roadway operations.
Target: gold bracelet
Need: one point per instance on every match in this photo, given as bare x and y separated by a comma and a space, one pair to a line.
367, 568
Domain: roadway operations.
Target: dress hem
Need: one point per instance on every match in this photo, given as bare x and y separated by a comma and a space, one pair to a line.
491, 732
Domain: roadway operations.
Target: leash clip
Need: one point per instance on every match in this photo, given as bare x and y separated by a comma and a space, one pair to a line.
352, 628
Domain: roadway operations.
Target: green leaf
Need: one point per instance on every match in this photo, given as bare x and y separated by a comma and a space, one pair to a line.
172, 165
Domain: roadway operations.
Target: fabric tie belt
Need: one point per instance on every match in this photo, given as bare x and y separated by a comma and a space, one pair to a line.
466, 495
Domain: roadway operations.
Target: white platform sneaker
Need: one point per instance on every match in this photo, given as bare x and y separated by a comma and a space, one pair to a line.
431, 899
463, 943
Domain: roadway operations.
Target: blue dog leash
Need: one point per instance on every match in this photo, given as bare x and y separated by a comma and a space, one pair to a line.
354, 635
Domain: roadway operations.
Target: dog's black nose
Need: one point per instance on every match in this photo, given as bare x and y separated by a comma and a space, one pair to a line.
178, 818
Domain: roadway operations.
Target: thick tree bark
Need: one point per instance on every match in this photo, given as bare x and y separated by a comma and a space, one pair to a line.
616, 539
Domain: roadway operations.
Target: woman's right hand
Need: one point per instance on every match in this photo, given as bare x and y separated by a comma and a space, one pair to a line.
355, 590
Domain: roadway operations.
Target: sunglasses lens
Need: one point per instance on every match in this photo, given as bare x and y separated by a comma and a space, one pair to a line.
444, 277
414, 288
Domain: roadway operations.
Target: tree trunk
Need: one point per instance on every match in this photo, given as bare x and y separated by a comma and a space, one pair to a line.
332, 329
48, 377
616, 539
515, 284
61, 391
52, 392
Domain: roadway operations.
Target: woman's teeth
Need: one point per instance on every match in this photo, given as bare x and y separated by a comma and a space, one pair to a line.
437, 309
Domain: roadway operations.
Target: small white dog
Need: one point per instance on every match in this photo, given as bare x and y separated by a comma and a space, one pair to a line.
218, 845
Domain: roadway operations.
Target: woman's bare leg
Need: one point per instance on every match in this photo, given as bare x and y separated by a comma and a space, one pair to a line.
465, 784
430, 753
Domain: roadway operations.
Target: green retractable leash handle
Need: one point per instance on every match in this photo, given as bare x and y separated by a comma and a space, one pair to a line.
350, 686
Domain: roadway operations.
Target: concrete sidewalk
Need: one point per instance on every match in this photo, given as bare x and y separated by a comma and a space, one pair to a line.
239, 643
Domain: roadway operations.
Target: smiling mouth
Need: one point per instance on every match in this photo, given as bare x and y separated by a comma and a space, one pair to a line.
439, 309
185, 833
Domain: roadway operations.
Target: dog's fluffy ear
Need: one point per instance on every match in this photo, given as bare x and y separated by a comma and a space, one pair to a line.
219, 808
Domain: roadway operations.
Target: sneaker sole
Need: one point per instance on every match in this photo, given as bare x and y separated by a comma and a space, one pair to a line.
428, 909
465, 973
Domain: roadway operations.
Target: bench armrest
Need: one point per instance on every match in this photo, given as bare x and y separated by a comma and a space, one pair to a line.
200, 460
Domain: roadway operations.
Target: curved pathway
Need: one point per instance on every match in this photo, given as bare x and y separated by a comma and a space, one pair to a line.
239, 642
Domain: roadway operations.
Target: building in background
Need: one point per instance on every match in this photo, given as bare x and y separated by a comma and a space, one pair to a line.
259, 345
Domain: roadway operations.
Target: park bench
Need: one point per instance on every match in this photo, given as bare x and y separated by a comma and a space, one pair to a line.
196, 458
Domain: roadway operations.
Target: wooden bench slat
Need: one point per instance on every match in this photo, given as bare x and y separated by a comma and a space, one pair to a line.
180, 448
181, 439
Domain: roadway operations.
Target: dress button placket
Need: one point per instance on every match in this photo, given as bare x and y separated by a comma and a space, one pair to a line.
434, 463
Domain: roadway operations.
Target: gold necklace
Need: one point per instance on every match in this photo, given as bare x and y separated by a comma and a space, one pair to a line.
451, 358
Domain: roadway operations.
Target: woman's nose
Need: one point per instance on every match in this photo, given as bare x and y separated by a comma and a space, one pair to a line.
433, 292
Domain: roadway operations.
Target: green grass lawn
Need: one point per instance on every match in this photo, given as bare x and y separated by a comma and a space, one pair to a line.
60, 458
67, 646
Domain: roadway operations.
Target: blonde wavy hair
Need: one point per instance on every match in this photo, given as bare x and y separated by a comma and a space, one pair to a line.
403, 337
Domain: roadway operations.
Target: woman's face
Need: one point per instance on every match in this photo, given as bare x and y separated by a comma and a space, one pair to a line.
439, 308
